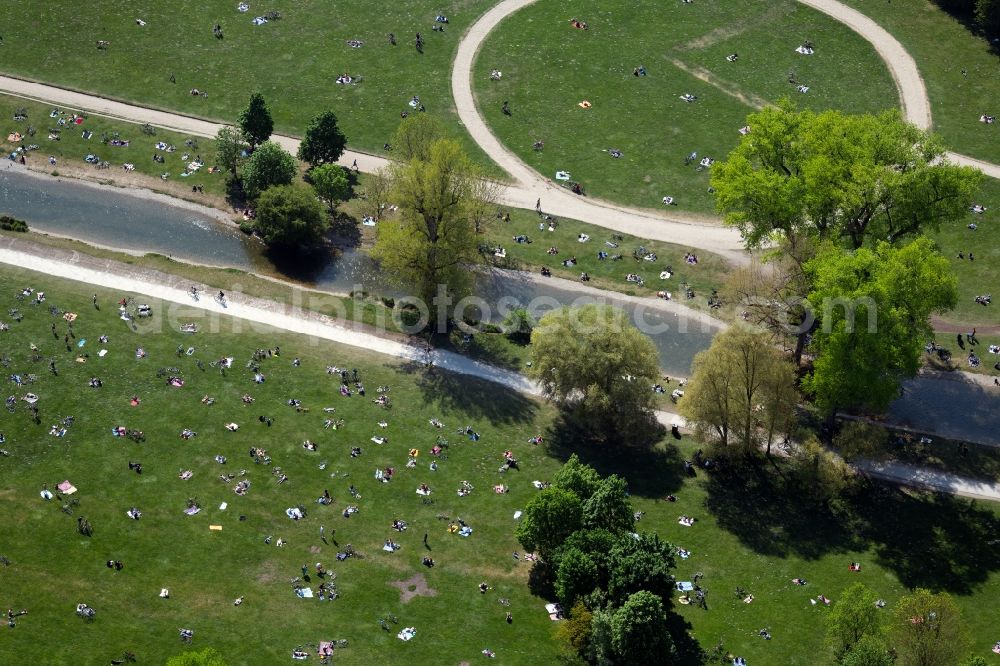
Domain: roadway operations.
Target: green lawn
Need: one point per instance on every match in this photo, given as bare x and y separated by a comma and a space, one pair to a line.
942, 47
752, 534
206, 570
979, 276
749, 531
709, 273
71, 147
549, 67
293, 61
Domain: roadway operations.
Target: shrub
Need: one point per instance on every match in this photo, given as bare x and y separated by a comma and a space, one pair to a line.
11, 224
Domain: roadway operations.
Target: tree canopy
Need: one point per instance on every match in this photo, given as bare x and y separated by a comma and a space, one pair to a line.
576, 576
431, 244
742, 390
873, 307
549, 517
591, 360
323, 142
645, 563
849, 179
255, 120
609, 507
331, 184
853, 617
289, 215
578, 477
927, 630
868, 651
269, 165
230, 149
415, 136
639, 632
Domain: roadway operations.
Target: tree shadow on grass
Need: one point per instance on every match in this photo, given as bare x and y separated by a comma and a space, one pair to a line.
652, 466
769, 517
689, 651
930, 540
478, 398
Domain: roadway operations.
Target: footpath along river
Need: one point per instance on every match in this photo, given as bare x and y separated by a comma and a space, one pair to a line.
138, 223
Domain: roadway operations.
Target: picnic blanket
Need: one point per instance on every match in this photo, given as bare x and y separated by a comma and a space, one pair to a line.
304, 593
66, 487
407, 634
685, 586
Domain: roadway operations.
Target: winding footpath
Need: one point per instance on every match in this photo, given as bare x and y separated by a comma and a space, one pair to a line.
176, 306
642, 224
530, 187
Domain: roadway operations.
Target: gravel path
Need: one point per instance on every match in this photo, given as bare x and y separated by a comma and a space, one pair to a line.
171, 289
710, 236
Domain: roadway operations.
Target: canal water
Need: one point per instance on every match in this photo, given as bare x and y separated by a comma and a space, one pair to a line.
137, 224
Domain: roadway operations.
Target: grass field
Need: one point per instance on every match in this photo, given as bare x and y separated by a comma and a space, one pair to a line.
977, 277
549, 67
206, 570
942, 47
293, 61
753, 534
71, 147
749, 532
709, 273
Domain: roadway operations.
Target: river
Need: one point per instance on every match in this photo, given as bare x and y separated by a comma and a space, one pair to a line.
124, 220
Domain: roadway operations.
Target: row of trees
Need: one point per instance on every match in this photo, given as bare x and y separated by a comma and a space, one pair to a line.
924, 629
287, 212
616, 584
836, 206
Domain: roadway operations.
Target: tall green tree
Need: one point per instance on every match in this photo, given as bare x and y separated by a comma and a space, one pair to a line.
639, 634
548, 519
596, 364
431, 245
415, 136
742, 390
255, 120
645, 563
850, 179
331, 184
609, 507
268, 166
868, 651
290, 215
853, 617
927, 630
324, 142
578, 477
873, 310
230, 149
576, 576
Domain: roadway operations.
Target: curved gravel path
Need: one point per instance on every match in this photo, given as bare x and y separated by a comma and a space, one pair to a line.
642, 224
529, 187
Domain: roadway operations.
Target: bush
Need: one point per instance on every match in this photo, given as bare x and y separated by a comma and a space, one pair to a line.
10, 224
246, 226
